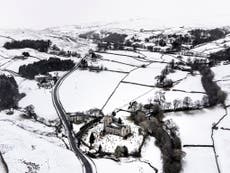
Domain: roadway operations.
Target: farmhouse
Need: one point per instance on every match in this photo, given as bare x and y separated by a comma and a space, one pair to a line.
46, 81
95, 68
78, 117
43, 78
111, 126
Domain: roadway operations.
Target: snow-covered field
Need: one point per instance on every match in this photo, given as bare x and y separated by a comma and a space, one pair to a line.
199, 160
191, 83
154, 56
152, 154
39, 97
134, 166
84, 90
112, 65
146, 75
65, 40
123, 95
123, 59
129, 53
177, 75
195, 126
222, 139
221, 72
28, 146
15, 64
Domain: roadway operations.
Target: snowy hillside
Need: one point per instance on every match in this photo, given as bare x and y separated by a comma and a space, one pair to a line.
59, 123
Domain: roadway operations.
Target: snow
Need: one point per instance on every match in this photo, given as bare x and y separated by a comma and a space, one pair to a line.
151, 153
28, 145
191, 83
146, 75
129, 53
225, 123
76, 127
177, 75
169, 58
222, 140
24, 140
196, 122
123, 59
15, 64
156, 56
84, 90
65, 40
123, 95
221, 72
113, 65
134, 166
41, 99
199, 160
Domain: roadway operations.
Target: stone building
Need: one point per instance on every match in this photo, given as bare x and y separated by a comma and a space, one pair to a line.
111, 126
78, 117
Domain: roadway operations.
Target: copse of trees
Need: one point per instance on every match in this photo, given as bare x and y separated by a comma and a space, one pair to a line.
167, 139
202, 36
9, 94
40, 45
115, 38
55, 50
214, 92
221, 55
90, 35
45, 66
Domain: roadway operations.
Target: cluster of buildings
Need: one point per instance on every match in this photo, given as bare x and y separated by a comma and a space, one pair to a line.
112, 126
46, 81
79, 117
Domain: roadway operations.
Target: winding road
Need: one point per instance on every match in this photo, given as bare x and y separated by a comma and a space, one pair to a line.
86, 165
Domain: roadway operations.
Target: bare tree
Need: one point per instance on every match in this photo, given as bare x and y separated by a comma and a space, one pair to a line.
176, 104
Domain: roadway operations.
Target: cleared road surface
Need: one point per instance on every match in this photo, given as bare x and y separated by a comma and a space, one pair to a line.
87, 167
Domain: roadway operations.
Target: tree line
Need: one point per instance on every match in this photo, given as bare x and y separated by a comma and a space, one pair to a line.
45, 66
9, 93
214, 92
39, 45
200, 36
220, 55
165, 133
